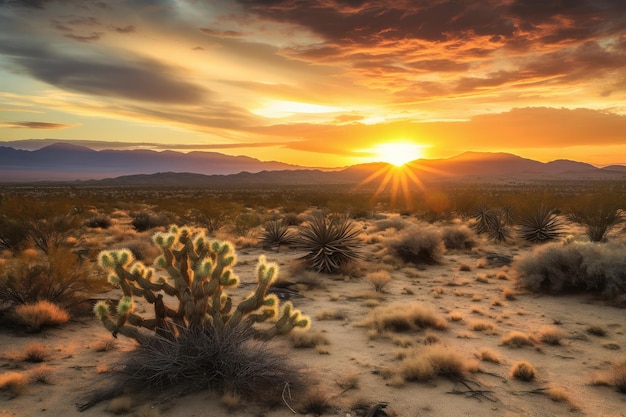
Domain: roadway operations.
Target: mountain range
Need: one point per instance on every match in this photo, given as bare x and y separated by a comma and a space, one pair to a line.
62, 162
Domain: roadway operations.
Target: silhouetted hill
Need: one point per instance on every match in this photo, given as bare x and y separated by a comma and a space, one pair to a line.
64, 162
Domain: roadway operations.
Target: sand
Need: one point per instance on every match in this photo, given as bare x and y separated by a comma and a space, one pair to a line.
357, 365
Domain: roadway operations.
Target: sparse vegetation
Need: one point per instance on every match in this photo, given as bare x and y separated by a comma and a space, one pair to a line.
433, 361
458, 237
275, 234
402, 318
517, 339
379, 280
40, 314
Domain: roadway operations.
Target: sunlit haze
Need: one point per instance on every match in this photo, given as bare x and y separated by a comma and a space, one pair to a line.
320, 82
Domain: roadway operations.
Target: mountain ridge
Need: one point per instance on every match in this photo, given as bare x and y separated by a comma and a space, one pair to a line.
69, 162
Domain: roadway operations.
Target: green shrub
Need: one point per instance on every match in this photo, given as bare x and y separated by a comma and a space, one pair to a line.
418, 244
331, 241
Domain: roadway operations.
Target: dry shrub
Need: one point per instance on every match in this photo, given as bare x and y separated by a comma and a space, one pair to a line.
488, 356
502, 275
231, 400
142, 250
482, 326
396, 223
516, 339
618, 376
40, 314
551, 335
560, 395
456, 316
40, 374
378, 279
508, 293
105, 345
433, 361
348, 380
418, 244
458, 237
309, 339
316, 402
331, 314
523, 371
482, 278
401, 318
35, 352
596, 267
15, 382
431, 339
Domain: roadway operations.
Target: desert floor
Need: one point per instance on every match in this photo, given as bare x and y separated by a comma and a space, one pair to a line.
357, 365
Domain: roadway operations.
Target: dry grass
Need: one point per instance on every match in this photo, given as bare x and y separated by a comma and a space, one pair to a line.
348, 380
378, 279
502, 275
40, 374
482, 278
40, 314
465, 267
455, 316
35, 352
15, 382
231, 400
433, 361
509, 294
551, 335
517, 339
105, 345
316, 402
401, 318
482, 326
618, 376
523, 371
308, 340
487, 355
331, 314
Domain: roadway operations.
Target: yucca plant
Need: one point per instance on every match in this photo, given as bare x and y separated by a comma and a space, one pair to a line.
331, 241
540, 224
276, 233
495, 223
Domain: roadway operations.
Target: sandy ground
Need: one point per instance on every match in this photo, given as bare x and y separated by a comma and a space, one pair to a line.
355, 351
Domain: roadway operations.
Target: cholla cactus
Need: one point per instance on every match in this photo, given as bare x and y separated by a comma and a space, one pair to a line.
198, 273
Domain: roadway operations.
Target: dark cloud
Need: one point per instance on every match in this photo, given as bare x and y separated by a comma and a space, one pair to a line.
138, 79
92, 37
123, 29
37, 125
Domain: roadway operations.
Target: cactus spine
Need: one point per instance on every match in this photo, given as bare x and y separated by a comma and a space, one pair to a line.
198, 273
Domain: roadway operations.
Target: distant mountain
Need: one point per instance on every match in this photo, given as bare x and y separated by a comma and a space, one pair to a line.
66, 162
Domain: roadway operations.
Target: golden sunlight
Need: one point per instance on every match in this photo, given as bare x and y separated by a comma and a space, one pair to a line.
397, 153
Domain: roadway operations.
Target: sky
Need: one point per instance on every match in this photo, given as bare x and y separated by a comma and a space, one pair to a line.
319, 82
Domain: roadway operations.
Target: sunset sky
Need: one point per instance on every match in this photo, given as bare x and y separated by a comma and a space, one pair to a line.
319, 82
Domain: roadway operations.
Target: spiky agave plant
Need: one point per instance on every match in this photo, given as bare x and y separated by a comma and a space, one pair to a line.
540, 224
331, 241
493, 222
597, 221
276, 233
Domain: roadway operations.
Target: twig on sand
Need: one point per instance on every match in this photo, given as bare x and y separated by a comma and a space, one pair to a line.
470, 392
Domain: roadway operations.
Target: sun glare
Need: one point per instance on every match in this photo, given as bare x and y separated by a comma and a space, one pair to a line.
398, 153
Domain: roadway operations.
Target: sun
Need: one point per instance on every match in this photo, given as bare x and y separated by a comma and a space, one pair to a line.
397, 153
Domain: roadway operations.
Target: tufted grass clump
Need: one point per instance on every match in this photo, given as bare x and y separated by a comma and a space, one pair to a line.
524, 371
40, 314
433, 361
402, 318
516, 339
378, 280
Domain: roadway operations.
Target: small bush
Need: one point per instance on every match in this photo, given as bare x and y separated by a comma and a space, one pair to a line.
276, 233
482, 326
401, 318
597, 218
397, 223
40, 374
35, 352
600, 268
516, 339
551, 335
51, 232
308, 340
378, 280
100, 221
596, 330
433, 361
146, 220
488, 356
618, 376
419, 245
40, 314
523, 371
458, 237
